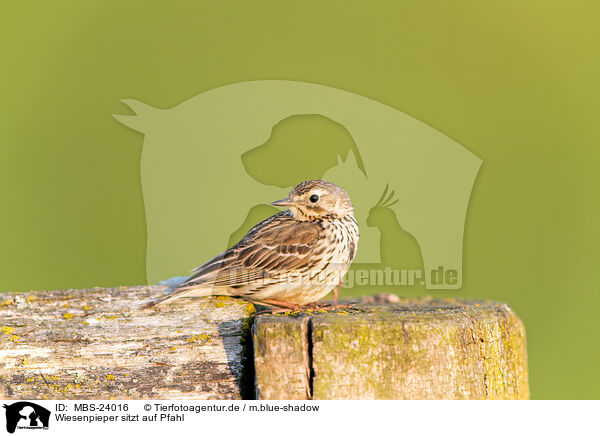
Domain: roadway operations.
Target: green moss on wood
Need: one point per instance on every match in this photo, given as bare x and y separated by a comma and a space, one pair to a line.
414, 349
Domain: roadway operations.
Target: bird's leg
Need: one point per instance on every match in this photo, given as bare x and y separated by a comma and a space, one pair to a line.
335, 305
327, 306
283, 306
336, 291
279, 303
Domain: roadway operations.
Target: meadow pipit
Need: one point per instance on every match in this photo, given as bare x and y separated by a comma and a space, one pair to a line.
290, 259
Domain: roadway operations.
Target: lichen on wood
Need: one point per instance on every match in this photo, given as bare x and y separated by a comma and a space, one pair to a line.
95, 344
413, 349
281, 357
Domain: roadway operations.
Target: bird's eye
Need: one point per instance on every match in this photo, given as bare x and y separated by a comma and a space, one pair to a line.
314, 198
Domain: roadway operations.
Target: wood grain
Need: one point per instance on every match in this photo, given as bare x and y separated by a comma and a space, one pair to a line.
413, 349
93, 344
282, 357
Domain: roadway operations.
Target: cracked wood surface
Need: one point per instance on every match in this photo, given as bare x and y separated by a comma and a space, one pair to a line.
413, 349
282, 357
94, 344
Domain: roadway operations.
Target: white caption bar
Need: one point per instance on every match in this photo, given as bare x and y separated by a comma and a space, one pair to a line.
300, 417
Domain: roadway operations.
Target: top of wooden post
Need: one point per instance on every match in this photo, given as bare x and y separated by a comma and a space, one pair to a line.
95, 344
412, 349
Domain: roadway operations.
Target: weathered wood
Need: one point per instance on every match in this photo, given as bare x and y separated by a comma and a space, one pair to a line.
281, 357
94, 344
413, 349
83, 344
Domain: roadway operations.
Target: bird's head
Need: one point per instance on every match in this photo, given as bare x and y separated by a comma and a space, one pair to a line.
316, 199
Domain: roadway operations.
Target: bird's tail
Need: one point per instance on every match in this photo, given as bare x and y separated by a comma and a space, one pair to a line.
178, 293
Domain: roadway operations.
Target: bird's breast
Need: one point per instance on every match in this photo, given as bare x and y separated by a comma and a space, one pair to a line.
342, 237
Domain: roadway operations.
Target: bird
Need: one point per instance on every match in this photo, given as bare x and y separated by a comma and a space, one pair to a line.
291, 259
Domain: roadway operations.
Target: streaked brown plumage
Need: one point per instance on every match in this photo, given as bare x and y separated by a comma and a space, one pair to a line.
292, 258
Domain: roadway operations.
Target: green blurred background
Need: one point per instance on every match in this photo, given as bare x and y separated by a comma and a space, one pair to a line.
514, 82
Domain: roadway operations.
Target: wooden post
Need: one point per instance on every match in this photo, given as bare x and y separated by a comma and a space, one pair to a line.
94, 344
413, 349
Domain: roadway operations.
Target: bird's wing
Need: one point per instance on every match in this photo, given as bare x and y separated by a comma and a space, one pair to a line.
277, 245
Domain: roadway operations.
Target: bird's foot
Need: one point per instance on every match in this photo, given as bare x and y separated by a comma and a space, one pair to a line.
327, 306
278, 306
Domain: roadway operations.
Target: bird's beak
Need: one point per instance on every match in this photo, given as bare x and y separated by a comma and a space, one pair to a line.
283, 202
